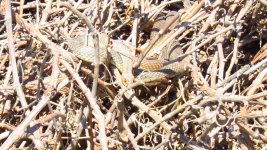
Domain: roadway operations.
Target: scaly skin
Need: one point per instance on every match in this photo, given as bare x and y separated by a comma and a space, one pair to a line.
150, 70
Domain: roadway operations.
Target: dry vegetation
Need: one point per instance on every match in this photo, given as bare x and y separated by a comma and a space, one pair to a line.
50, 100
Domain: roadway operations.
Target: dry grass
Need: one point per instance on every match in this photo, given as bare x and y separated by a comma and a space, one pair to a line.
48, 100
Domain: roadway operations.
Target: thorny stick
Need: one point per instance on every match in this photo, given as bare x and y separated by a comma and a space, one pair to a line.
92, 101
223, 113
19, 131
12, 58
96, 63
